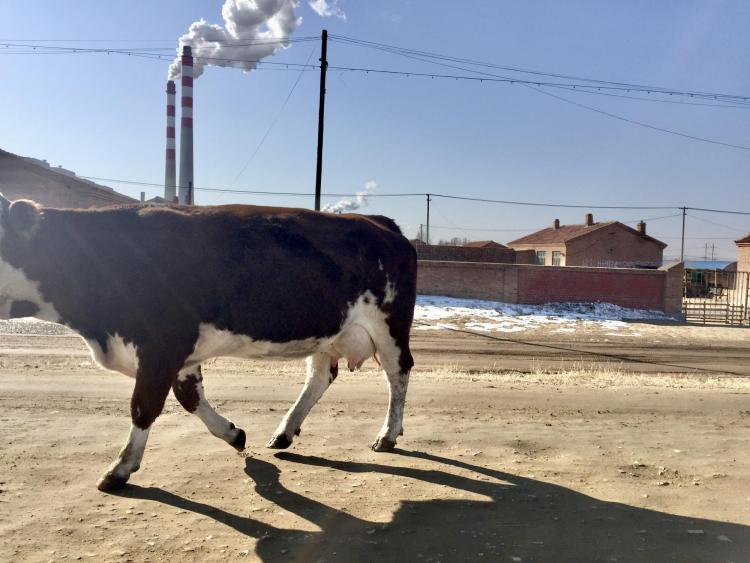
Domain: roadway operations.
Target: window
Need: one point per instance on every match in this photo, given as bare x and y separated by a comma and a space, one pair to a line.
556, 258
541, 257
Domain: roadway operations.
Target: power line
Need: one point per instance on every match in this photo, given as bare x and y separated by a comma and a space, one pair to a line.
534, 85
244, 191
419, 194
603, 85
703, 220
275, 119
639, 123
596, 83
562, 205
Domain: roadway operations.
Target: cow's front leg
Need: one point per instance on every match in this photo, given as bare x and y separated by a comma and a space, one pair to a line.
190, 393
146, 404
321, 371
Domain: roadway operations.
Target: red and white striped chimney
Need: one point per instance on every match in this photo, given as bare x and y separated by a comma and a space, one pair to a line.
186, 129
170, 172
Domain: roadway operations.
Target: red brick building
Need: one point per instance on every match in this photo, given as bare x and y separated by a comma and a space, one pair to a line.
608, 244
743, 253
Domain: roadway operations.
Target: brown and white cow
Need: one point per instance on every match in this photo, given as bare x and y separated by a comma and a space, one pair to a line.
155, 292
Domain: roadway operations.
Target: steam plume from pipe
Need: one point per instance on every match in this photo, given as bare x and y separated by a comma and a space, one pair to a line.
351, 204
253, 30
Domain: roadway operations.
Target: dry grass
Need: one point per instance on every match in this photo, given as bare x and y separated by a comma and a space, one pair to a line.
582, 374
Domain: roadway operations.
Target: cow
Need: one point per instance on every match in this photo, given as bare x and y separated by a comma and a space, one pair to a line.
157, 291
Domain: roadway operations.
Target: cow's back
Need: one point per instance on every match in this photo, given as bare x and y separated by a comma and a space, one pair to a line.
271, 273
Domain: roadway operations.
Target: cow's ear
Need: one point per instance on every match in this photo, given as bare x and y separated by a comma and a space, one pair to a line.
24, 217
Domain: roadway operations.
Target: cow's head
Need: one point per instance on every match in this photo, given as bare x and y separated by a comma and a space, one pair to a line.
19, 222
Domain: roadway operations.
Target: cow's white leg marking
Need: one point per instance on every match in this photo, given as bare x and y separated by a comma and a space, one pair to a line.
127, 462
189, 391
320, 374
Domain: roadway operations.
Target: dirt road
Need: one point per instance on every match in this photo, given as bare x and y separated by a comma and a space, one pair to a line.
507, 456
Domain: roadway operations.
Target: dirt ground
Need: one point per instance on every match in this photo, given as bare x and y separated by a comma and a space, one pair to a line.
586, 446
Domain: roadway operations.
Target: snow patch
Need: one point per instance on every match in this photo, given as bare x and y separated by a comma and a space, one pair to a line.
495, 316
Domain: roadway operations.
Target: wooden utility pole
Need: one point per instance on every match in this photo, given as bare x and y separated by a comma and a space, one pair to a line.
682, 247
429, 199
321, 114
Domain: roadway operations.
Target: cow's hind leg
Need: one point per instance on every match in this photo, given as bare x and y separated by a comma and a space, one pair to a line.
397, 362
321, 372
146, 404
189, 392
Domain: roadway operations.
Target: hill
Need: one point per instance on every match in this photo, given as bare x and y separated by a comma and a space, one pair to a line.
30, 178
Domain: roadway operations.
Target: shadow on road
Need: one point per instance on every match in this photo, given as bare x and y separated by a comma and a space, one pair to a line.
522, 517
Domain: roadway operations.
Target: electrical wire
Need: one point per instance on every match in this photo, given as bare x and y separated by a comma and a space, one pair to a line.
419, 194
639, 123
275, 119
596, 83
561, 205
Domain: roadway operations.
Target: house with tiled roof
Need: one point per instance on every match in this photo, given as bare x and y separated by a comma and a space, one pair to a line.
743, 253
607, 244
484, 244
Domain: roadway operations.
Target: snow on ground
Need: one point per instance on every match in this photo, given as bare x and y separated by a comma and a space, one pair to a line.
437, 312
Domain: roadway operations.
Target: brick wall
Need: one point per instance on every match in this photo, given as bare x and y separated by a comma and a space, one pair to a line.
743, 258
469, 254
519, 283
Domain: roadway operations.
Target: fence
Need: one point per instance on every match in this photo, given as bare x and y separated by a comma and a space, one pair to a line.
716, 296
520, 283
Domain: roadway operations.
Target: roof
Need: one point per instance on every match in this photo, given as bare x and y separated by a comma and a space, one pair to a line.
33, 179
484, 244
744, 240
566, 233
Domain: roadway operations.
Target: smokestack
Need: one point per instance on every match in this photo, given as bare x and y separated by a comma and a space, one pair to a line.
186, 129
556, 224
642, 228
170, 172
589, 219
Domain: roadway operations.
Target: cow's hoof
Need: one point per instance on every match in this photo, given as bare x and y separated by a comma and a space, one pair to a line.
280, 442
383, 445
239, 442
111, 482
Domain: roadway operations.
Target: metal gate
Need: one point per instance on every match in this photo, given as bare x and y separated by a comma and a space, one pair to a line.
716, 296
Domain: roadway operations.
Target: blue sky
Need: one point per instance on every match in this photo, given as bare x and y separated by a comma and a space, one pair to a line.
103, 115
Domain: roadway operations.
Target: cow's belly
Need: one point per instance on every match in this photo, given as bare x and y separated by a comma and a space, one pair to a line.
120, 355
213, 342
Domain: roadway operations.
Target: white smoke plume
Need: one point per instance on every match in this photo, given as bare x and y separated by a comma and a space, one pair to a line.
253, 30
327, 9
351, 204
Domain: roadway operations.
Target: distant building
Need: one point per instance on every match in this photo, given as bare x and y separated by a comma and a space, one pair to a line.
484, 244
608, 244
31, 178
743, 253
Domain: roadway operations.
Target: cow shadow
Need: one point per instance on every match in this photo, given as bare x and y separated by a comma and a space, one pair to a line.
518, 518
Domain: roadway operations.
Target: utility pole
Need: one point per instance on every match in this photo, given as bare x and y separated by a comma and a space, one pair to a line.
682, 248
429, 199
321, 114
